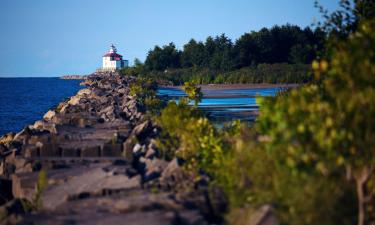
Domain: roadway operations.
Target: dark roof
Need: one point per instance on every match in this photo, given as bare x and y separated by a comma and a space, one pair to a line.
112, 55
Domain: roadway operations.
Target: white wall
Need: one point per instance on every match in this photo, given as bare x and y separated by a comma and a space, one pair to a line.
108, 64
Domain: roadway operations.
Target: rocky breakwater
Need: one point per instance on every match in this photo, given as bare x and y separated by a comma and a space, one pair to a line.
101, 166
73, 77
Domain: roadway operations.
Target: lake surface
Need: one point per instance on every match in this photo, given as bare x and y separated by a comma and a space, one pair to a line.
25, 100
223, 105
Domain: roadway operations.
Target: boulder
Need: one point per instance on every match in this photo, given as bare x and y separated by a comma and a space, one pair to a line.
173, 175
142, 130
44, 125
85, 91
154, 168
262, 216
137, 148
150, 153
74, 100
49, 115
21, 137
6, 138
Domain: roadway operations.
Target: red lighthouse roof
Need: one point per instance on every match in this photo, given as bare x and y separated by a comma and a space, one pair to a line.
113, 53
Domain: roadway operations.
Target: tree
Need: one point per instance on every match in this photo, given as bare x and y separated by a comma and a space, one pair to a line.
300, 54
162, 58
221, 52
137, 63
246, 51
328, 130
135, 70
193, 54
193, 92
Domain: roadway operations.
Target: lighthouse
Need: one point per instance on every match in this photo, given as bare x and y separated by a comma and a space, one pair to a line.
113, 61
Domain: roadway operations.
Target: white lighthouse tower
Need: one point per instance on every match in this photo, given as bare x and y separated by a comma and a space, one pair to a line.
113, 61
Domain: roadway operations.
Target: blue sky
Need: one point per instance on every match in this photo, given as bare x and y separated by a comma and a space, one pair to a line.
53, 38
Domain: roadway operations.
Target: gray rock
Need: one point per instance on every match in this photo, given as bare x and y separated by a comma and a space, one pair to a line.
173, 175
137, 148
43, 125
77, 148
142, 130
154, 168
262, 216
49, 115
150, 153
128, 147
6, 138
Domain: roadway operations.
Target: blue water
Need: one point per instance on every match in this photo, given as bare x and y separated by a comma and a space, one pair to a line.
25, 100
226, 104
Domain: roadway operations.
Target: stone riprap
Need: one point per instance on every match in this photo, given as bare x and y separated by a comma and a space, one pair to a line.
102, 166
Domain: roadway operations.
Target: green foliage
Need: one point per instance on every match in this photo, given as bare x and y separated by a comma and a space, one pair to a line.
37, 202
193, 92
345, 21
135, 70
193, 54
163, 58
279, 44
145, 92
41, 185
262, 73
188, 135
266, 73
326, 121
251, 177
172, 120
312, 155
256, 57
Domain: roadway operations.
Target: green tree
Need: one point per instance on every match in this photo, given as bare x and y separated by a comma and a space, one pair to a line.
162, 58
193, 92
299, 54
193, 54
328, 130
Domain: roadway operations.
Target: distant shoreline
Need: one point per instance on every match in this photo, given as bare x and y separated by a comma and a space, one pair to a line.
73, 77
236, 86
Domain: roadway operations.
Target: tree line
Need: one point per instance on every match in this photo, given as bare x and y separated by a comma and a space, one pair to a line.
279, 44
261, 73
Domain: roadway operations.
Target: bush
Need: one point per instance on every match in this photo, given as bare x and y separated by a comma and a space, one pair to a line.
145, 91
262, 73
187, 134
313, 153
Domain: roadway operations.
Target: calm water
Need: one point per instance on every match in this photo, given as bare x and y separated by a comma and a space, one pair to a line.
226, 105
25, 100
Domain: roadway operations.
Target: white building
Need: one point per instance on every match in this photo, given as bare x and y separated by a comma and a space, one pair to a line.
113, 61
